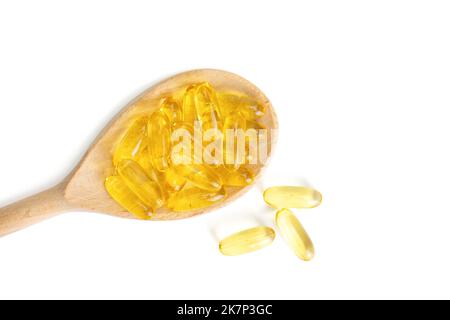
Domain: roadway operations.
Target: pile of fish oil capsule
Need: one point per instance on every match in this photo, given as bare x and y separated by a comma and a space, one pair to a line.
282, 198
146, 177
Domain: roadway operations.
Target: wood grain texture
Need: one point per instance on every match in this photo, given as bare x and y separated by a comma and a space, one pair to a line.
32, 210
84, 190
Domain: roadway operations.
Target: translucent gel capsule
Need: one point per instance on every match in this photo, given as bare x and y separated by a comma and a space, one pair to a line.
251, 109
189, 113
200, 176
160, 179
292, 197
251, 141
171, 109
190, 199
236, 178
143, 159
247, 241
182, 143
207, 107
159, 133
228, 103
231, 102
234, 134
295, 235
174, 181
140, 183
132, 142
253, 124
119, 191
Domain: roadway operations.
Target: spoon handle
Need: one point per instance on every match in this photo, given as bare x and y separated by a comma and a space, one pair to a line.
32, 210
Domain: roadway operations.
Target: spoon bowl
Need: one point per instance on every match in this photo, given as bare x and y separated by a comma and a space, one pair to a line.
84, 190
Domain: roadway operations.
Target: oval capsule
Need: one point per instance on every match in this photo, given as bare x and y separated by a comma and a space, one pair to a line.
119, 191
200, 176
189, 114
189, 199
292, 197
247, 241
207, 107
171, 109
236, 178
140, 183
295, 235
231, 102
251, 109
183, 144
159, 133
228, 103
143, 159
174, 181
234, 141
132, 142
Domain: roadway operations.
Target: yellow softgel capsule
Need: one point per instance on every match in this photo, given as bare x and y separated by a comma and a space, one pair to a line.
253, 124
174, 181
189, 113
159, 134
190, 199
143, 159
160, 179
234, 141
186, 127
247, 241
231, 102
183, 144
254, 129
295, 235
201, 176
123, 195
236, 178
171, 109
251, 109
140, 183
228, 103
292, 197
132, 142
207, 107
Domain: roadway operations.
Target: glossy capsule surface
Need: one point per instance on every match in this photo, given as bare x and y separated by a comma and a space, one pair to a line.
200, 176
251, 109
292, 197
207, 107
172, 109
159, 134
228, 102
189, 113
165, 159
174, 181
140, 183
182, 141
254, 130
232, 102
189, 199
241, 177
132, 142
143, 159
234, 141
160, 179
247, 241
254, 124
294, 234
123, 195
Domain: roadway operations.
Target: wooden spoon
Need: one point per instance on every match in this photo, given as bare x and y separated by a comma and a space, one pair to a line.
84, 190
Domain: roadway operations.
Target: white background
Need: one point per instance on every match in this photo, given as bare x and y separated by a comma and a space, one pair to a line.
361, 89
